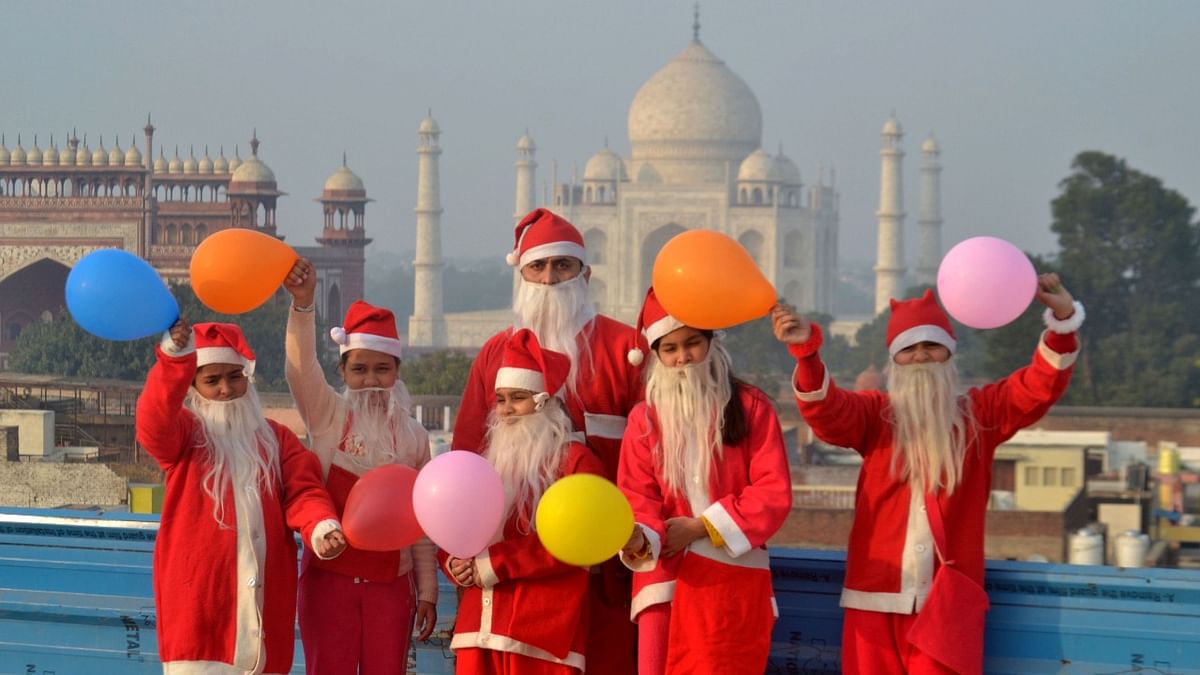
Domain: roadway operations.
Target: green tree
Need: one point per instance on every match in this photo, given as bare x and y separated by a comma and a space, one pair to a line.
63, 348
1130, 251
438, 373
761, 360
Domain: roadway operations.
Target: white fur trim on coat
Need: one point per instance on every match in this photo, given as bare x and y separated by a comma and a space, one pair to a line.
659, 328
736, 542
1067, 325
649, 562
169, 348
323, 528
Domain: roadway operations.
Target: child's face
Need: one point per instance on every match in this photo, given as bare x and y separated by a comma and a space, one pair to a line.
514, 403
221, 381
682, 346
369, 369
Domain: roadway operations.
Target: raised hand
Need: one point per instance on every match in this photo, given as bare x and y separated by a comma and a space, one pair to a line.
789, 326
301, 282
1051, 293
181, 332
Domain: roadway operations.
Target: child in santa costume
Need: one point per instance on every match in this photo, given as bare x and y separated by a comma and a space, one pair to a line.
357, 611
237, 485
552, 300
523, 612
913, 593
704, 466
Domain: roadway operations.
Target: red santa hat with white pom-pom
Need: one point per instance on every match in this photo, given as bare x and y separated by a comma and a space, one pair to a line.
653, 322
918, 320
526, 365
367, 327
222, 343
543, 234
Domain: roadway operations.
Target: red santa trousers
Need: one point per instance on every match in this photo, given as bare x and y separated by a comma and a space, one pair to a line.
654, 624
347, 624
611, 635
474, 661
875, 643
721, 618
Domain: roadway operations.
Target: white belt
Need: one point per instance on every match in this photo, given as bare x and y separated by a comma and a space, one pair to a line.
604, 426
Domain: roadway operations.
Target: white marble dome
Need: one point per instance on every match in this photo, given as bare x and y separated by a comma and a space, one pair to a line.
605, 165
930, 145
759, 167
253, 170
789, 173
344, 180
694, 107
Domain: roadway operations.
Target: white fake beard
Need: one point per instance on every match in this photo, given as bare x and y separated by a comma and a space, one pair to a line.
557, 314
527, 452
689, 402
373, 413
242, 448
931, 425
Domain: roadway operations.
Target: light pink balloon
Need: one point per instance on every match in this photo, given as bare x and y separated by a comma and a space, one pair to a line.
985, 282
459, 501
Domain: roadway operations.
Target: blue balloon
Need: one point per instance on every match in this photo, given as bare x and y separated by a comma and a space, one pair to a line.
115, 295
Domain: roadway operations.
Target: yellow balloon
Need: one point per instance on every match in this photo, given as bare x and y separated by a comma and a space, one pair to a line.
707, 280
583, 519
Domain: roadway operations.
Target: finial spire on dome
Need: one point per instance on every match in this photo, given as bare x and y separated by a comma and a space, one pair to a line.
254, 143
696, 23
237, 150
343, 158
606, 141
149, 128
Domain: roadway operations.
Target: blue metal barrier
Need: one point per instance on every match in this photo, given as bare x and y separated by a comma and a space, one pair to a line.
75, 597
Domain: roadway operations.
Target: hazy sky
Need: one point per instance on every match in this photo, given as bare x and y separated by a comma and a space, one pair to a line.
1012, 90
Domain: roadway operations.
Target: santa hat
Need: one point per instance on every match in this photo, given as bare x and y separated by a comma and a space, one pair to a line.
222, 343
918, 320
543, 234
653, 322
367, 327
526, 365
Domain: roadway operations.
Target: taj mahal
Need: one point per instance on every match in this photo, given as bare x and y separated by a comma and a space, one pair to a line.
696, 161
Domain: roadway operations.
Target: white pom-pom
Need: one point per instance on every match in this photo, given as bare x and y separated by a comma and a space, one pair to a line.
635, 357
512, 259
338, 334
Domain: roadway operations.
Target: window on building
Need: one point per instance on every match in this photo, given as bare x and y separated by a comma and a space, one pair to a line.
1031, 475
1068, 477
1050, 475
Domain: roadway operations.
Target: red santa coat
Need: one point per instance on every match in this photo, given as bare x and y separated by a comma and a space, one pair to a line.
890, 562
528, 602
748, 498
608, 388
225, 596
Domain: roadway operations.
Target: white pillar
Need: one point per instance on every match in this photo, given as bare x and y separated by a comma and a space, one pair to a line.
929, 224
427, 325
889, 261
526, 187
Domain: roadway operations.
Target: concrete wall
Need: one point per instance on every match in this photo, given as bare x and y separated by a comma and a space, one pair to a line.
50, 485
35, 429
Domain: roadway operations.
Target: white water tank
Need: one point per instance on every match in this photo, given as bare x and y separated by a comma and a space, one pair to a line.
1131, 549
1086, 548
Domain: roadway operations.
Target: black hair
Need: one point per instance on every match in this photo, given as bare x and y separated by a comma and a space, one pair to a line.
346, 355
734, 425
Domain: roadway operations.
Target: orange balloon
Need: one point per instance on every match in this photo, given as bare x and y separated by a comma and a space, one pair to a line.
707, 280
234, 271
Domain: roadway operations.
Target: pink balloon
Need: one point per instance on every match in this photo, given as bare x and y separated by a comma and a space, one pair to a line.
459, 502
985, 282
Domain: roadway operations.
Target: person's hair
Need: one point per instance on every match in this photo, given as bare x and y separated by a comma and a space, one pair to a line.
346, 357
734, 426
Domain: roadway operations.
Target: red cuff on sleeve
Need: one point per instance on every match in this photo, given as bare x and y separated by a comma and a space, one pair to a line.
1061, 343
810, 346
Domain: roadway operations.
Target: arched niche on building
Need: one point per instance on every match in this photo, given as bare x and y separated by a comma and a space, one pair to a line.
596, 243
752, 241
651, 245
